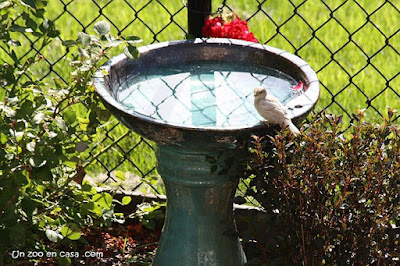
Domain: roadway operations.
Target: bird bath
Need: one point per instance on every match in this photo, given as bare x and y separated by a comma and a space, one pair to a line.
195, 100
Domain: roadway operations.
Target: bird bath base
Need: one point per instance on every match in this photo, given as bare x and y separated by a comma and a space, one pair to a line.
200, 126
199, 226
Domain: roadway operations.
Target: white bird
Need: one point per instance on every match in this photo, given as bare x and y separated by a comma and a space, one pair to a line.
272, 110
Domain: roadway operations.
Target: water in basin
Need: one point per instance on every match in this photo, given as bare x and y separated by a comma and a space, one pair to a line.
202, 94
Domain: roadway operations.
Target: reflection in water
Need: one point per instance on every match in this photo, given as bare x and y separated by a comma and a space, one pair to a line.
206, 94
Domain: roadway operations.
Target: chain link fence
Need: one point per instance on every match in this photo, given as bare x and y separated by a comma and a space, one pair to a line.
352, 45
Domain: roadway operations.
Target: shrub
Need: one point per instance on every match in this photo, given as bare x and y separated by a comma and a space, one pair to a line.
44, 202
328, 198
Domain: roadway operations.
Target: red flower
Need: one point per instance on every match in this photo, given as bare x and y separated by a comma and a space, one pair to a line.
250, 37
212, 27
235, 29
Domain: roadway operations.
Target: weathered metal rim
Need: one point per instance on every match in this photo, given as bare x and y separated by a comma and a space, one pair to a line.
311, 93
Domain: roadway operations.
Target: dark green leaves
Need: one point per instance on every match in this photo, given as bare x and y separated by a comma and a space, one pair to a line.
46, 129
48, 27
18, 28
34, 4
69, 43
70, 117
131, 52
133, 39
324, 189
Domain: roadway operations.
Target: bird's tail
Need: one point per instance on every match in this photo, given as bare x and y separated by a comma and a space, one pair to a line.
293, 128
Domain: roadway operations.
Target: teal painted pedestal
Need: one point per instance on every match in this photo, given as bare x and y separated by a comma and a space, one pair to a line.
199, 227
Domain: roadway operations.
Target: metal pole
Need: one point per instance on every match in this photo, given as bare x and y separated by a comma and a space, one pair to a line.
198, 11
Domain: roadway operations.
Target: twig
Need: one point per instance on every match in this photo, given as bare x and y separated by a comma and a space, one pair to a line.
9, 202
304, 246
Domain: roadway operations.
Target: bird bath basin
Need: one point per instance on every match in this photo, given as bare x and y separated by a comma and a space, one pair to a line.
195, 100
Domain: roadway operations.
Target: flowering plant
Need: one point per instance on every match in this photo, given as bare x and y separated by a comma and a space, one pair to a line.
227, 26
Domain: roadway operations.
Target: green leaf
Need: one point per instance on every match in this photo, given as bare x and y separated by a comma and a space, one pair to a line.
35, 4
83, 123
3, 138
28, 206
69, 43
30, 3
70, 116
48, 28
40, 189
133, 39
71, 231
39, 13
131, 52
30, 22
53, 236
103, 115
42, 173
126, 200
84, 38
103, 199
56, 210
26, 109
87, 187
86, 208
120, 176
18, 28
102, 28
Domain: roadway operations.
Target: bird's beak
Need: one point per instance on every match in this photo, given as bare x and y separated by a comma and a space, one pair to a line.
257, 91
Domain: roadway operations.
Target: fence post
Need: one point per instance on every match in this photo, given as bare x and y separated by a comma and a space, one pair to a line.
198, 11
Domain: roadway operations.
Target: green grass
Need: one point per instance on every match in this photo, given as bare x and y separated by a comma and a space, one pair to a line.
350, 54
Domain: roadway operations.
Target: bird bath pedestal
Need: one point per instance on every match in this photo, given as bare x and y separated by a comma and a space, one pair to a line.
195, 100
